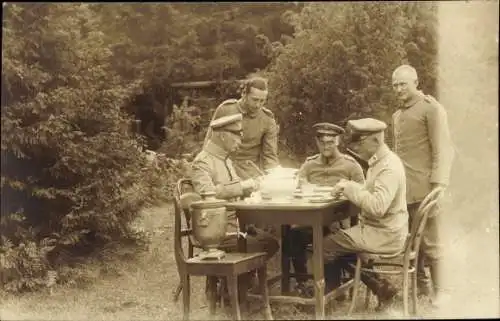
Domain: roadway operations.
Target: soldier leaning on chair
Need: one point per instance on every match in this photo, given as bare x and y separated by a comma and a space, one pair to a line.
212, 171
422, 141
323, 169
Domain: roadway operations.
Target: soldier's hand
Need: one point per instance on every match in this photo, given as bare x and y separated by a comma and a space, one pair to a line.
249, 184
439, 190
251, 229
339, 188
258, 181
334, 227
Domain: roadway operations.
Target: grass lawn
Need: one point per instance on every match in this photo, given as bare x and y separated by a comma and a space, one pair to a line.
141, 289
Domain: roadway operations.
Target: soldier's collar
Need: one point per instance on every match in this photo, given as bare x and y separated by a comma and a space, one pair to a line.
415, 99
381, 153
215, 150
246, 112
330, 160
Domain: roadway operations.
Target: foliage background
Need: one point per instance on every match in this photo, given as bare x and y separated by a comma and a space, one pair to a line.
339, 64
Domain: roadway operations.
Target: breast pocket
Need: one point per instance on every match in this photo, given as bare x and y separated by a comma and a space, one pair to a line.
251, 136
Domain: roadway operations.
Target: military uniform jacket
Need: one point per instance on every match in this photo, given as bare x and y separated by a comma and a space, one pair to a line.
383, 222
422, 140
213, 171
318, 170
259, 142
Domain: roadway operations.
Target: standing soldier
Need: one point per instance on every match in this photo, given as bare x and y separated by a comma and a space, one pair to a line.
422, 141
259, 146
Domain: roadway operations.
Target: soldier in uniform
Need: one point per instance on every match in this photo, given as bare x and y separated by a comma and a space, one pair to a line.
259, 144
422, 140
326, 168
212, 171
383, 221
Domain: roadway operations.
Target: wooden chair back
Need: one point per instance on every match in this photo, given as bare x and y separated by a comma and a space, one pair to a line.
418, 224
185, 186
184, 196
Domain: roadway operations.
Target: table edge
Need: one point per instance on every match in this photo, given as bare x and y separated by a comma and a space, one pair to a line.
239, 205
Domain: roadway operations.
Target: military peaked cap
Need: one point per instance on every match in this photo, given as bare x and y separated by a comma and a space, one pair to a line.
356, 129
328, 129
366, 126
226, 115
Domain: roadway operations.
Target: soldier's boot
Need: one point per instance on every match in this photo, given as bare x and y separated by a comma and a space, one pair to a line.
295, 248
423, 279
332, 280
440, 297
382, 288
299, 263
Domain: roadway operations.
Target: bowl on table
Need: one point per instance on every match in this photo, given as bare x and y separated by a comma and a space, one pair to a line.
279, 184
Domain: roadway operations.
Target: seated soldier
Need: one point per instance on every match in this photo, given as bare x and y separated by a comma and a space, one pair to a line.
323, 169
212, 171
383, 221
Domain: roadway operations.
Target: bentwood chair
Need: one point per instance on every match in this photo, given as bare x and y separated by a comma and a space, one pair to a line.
185, 189
230, 267
402, 263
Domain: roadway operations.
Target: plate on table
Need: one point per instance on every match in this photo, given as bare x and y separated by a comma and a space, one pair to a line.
323, 189
326, 197
299, 194
321, 199
278, 200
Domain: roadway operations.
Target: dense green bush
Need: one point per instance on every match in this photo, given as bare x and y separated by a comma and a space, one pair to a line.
73, 176
339, 64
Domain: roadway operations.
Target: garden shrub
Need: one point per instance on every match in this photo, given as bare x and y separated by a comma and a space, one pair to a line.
73, 175
338, 66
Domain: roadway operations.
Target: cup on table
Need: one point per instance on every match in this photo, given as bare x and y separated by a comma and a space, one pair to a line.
307, 188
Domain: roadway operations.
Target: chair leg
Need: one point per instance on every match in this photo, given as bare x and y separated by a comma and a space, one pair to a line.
414, 293
186, 295
405, 292
348, 277
262, 273
177, 292
233, 293
355, 286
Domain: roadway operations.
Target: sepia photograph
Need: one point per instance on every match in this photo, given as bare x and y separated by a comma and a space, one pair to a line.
249, 160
